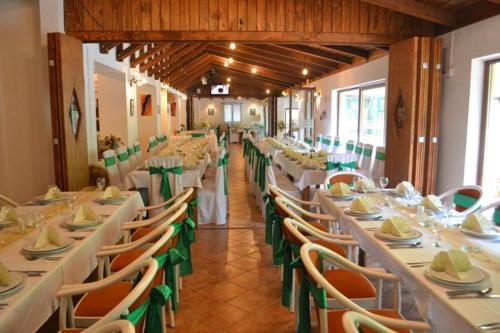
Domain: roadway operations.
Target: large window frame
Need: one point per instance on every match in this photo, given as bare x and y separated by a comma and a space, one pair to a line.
232, 112
360, 90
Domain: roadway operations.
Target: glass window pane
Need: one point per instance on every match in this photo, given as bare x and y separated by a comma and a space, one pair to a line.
372, 121
228, 117
348, 114
236, 112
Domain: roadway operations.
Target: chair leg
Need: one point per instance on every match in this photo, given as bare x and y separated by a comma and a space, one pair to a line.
177, 277
293, 295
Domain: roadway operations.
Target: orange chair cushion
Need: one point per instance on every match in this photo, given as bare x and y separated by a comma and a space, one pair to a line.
98, 303
124, 259
335, 320
139, 233
350, 284
334, 247
318, 225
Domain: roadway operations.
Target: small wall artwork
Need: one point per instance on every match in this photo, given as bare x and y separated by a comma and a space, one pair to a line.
173, 108
146, 105
211, 111
252, 112
322, 115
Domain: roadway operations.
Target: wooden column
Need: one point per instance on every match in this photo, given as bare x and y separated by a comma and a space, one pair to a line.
412, 111
273, 115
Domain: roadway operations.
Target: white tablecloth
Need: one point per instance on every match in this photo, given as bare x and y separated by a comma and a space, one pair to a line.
443, 314
34, 304
211, 139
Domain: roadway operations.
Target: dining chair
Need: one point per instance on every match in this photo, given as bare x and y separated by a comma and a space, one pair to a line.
495, 205
355, 322
106, 300
152, 145
365, 162
123, 161
278, 191
378, 169
117, 326
315, 257
234, 136
358, 151
318, 142
326, 143
349, 147
110, 162
132, 157
166, 179
344, 177
138, 151
336, 145
466, 198
5, 201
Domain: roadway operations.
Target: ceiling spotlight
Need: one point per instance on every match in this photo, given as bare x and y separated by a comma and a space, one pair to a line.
284, 93
232, 46
204, 80
268, 91
231, 60
254, 70
305, 71
226, 63
228, 79
239, 97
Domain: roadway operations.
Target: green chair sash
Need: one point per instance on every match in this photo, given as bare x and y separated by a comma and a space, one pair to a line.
379, 155
341, 166
496, 216
109, 161
336, 143
270, 212
326, 141
308, 141
152, 144
350, 146
277, 237
359, 150
161, 138
463, 200
137, 148
197, 135
288, 251
186, 237
165, 183
367, 152
123, 157
308, 288
223, 162
130, 151
318, 139
190, 208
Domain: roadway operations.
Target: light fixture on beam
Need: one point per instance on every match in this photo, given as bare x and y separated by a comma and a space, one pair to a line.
268, 91
305, 71
239, 97
254, 70
226, 63
232, 46
231, 60
284, 93
228, 79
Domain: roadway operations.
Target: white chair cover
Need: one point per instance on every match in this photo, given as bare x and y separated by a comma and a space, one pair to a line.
212, 198
326, 143
378, 169
317, 145
234, 136
152, 145
111, 165
365, 163
123, 162
132, 158
138, 151
162, 140
336, 145
349, 147
358, 151
175, 181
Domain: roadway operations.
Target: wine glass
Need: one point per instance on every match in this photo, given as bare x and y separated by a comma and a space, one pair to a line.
100, 183
436, 228
383, 181
71, 204
420, 216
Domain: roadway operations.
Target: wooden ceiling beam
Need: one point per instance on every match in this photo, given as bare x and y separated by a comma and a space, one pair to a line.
106, 47
193, 76
417, 9
225, 73
204, 60
193, 56
317, 53
262, 77
240, 36
347, 50
150, 53
128, 51
161, 56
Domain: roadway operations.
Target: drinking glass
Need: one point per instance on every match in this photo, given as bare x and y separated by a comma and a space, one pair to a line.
71, 203
384, 181
436, 228
101, 184
420, 216
390, 204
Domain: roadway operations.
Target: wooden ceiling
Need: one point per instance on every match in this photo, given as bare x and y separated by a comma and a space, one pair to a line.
178, 41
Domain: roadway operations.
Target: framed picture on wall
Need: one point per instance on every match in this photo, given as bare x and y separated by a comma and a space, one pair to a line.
146, 105
211, 111
253, 111
132, 106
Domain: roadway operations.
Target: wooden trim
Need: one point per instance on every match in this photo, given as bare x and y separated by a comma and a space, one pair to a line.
225, 36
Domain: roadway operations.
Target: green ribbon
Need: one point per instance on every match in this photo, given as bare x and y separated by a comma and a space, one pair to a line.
165, 183
137, 148
217, 132
152, 144
341, 166
277, 237
186, 237
350, 146
326, 141
245, 147
123, 157
318, 139
308, 141
152, 308
190, 207
288, 251
496, 216
260, 156
336, 143
270, 213
367, 152
130, 151
109, 161
197, 135
380, 156
223, 162
265, 162
463, 200
359, 150
161, 138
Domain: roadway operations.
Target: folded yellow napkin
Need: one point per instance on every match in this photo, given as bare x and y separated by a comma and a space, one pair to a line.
322, 153
363, 204
477, 223
432, 202
5, 277
396, 225
405, 187
365, 183
48, 236
7, 214
341, 189
53, 193
112, 192
84, 215
452, 262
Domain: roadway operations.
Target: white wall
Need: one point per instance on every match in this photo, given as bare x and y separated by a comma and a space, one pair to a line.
26, 163
201, 105
147, 126
467, 49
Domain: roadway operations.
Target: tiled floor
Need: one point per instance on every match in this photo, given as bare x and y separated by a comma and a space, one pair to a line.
235, 287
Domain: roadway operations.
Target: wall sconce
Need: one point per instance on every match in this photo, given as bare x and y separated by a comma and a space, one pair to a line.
211, 111
134, 80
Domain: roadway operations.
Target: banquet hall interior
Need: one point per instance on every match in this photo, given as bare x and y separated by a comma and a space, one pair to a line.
249, 166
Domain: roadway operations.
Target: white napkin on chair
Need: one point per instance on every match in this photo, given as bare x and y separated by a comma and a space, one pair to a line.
84, 215
48, 236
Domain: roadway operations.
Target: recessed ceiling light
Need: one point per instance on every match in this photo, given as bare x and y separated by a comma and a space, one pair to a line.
231, 60
239, 97
226, 63
305, 71
254, 70
284, 93
228, 79
232, 46
268, 91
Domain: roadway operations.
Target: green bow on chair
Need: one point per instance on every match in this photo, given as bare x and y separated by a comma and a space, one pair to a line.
130, 151
270, 212
308, 287
190, 208
152, 308
264, 162
165, 183
197, 135
223, 162
186, 237
341, 166
287, 251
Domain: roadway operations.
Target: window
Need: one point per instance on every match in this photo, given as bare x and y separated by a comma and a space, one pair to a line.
232, 112
489, 176
361, 114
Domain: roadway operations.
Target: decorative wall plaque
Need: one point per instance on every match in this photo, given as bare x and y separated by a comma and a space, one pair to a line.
74, 114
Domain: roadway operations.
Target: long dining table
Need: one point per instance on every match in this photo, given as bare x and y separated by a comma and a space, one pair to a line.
443, 314
29, 308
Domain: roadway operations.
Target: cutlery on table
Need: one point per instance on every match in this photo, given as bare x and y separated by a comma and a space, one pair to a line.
489, 326
77, 237
469, 291
404, 245
473, 296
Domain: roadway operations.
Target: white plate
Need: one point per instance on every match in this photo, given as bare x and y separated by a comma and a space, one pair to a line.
17, 279
68, 224
472, 276
437, 213
368, 190
402, 195
413, 234
43, 201
375, 211
111, 200
494, 232
67, 242
340, 197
